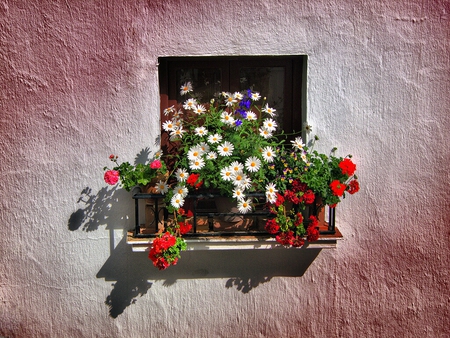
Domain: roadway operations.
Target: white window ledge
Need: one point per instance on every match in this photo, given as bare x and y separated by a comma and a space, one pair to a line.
233, 243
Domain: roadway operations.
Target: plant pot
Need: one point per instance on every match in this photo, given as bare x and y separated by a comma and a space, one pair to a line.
154, 206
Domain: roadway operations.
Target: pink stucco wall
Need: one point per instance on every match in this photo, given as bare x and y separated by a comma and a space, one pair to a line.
79, 81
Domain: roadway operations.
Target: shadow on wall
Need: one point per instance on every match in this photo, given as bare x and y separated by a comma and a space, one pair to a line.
246, 269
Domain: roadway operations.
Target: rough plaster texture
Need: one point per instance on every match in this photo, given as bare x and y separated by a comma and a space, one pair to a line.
79, 81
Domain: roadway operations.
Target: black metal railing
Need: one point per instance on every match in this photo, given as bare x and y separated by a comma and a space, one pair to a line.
159, 209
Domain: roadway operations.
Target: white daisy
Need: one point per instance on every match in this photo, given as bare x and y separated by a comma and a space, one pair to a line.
268, 154
238, 194
186, 88
161, 187
201, 131
264, 132
246, 183
189, 104
181, 174
177, 114
177, 133
238, 178
196, 164
268, 110
236, 167
212, 155
253, 164
227, 118
216, 138
204, 147
251, 116
307, 127
199, 109
271, 198
230, 100
298, 143
226, 174
194, 153
270, 124
255, 96
271, 189
238, 96
245, 206
169, 110
303, 157
181, 190
177, 201
169, 125
225, 149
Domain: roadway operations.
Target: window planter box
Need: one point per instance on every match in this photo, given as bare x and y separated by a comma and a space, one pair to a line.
204, 237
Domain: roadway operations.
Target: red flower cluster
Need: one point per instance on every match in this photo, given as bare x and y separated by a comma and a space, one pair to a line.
111, 177
288, 238
338, 188
272, 227
309, 197
159, 247
347, 167
156, 164
353, 187
312, 234
183, 212
192, 181
185, 227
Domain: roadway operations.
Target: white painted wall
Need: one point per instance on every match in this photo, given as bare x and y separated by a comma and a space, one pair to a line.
79, 81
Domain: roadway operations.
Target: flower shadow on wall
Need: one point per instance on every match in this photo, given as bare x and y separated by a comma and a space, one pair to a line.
133, 273
97, 208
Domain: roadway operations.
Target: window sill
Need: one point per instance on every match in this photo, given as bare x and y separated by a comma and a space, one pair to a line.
236, 242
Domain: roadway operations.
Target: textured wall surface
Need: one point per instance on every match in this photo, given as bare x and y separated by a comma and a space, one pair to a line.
79, 81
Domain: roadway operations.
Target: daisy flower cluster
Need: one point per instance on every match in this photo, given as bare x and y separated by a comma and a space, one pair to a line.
226, 144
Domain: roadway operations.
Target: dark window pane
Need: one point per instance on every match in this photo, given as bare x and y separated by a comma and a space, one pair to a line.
207, 82
269, 82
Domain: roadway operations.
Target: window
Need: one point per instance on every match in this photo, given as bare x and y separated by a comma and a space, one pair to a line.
282, 79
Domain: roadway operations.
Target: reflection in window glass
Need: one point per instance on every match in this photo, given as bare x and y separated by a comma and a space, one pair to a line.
207, 82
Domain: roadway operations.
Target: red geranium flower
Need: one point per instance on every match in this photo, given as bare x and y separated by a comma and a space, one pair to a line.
280, 200
298, 186
291, 196
185, 227
309, 196
161, 263
192, 181
285, 238
156, 164
299, 219
312, 234
272, 227
337, 187
297, 241
347, 167
313, 221
353, 187
111, 177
